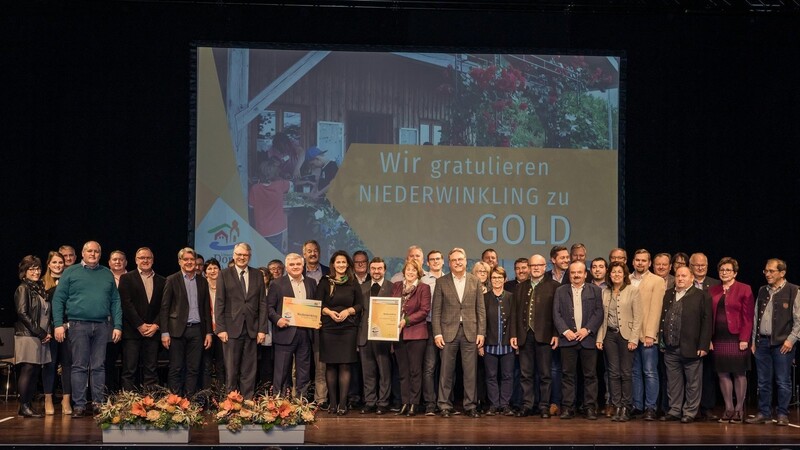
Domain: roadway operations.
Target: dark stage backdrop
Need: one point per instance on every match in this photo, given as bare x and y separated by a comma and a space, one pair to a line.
96, 121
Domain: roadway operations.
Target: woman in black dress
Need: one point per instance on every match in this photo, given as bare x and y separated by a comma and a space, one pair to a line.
733, 306
342, 301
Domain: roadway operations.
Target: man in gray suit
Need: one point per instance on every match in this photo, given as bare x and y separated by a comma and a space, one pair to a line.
459, 323
240, 311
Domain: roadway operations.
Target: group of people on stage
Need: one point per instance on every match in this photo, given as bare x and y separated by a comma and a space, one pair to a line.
668, 337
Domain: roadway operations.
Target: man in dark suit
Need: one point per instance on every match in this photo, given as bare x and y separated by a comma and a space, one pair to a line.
459, 323
686, 337
698, 265
376, 359
290, 341
577, 316
141, 293
533, 334
185, 319
240, 312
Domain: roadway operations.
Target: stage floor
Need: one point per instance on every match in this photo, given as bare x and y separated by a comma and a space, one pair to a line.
461, 431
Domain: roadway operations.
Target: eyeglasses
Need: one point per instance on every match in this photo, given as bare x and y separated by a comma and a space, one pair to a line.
242, 255
34, 269
725, 270
770, 271
144, 258
699, 266
498, 278
480, 271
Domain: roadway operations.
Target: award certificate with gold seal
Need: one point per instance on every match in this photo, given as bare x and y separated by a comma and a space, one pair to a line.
302, 313
384, 317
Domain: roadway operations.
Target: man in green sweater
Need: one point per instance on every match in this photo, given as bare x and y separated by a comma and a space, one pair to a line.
84, 300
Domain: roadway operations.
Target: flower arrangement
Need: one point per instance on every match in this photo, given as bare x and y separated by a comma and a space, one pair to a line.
266, 410
161, 410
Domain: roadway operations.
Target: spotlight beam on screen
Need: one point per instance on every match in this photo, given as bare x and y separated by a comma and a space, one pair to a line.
381, 150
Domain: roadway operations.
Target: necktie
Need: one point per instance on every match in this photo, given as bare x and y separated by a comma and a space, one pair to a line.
375, 289
241, 278
532, 306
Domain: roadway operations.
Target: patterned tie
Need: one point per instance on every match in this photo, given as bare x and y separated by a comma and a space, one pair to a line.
532, 306
244, 285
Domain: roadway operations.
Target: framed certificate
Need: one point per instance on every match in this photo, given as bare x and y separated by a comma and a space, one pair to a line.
302, 313
384, 317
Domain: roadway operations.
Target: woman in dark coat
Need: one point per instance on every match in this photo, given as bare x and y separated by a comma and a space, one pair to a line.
32, 332
342, 301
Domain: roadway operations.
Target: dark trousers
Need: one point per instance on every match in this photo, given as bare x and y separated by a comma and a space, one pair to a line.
429, 366
534, 358
185, 356
59, 354
410, 357
213, 364
266, 365
301, 350
569, 366
376, 369
708, 398
684, 383
112, 374
619, 365
140, 352
241, 357
499, 378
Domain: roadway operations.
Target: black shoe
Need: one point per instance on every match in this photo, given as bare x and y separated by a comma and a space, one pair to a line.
545, 413
782, 420
670, 418
473, 413
394, 408
636, 412
507, 411
412, 411
380, 410
447, 412
342, 411
430, 410
687, 419
492, 411
567, 414
25, 410
369, 409
624, 416
708, 416
524, 412
615, 414
323, 406
78, 412
649, 414
591, 414
403, 410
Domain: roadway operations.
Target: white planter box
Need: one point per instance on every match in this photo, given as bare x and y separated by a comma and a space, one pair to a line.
141, 435
254, 434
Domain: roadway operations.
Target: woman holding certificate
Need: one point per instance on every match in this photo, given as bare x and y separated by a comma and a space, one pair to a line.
410, 350
341, 300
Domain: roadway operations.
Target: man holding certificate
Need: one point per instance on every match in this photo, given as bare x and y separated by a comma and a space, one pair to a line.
291, 341
376, 360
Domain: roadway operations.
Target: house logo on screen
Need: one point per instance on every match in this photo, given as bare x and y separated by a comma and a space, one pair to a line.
225, 236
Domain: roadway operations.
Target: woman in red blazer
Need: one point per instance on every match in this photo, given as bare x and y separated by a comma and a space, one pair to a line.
410, 350
732, 306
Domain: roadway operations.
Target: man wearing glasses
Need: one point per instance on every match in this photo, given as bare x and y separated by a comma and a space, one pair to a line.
240, 312
360, 266
459, 323
698, 265
775, 331
533, 334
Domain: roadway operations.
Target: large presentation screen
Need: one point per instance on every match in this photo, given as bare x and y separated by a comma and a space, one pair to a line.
383, 150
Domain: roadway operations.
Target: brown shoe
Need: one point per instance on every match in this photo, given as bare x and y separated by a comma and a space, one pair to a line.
554, 409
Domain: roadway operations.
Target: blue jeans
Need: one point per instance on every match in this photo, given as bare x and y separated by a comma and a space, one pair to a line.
645, 377
88, 341
770, 361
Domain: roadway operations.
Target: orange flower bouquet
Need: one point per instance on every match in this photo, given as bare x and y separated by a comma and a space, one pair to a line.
159, 410
266, 410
